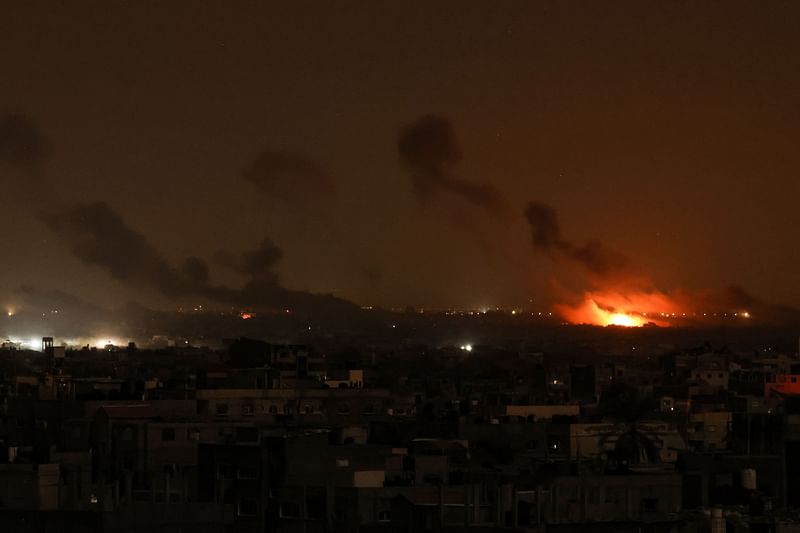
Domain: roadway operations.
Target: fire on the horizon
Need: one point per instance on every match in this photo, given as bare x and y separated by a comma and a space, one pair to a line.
635, 309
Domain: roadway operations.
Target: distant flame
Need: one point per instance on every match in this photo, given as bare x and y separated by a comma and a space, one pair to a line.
611, 308
590, 312
641, 307
622, 319
246, 316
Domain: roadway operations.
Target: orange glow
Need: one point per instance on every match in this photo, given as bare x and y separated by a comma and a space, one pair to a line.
246, 316
622, 319
612, 308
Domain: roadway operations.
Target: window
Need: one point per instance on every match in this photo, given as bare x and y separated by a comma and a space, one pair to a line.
248, 409
247, 434
384, 516
248, 472
649, 505
226, 472
273, 409
315, 506
193, 435
342, 463
308, 409
432, 479
343, 409
570, 492
615, 494
222, 409
369, 409
168, 434
247, 506
290, 510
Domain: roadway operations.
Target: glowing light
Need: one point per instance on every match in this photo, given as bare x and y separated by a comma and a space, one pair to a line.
246, 316
468, 347
32, 343
622, 319
617, 308
591, 312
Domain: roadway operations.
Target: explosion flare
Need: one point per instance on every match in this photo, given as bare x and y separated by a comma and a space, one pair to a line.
638, 308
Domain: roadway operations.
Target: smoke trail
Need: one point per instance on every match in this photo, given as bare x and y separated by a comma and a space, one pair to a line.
98, 235
594, 256
429, 150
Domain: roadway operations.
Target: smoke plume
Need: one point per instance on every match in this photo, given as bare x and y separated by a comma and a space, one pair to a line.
98, 235
256, 264
429, 149
593, 256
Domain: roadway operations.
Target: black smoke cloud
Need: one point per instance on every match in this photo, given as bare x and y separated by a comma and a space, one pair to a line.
97, 235
429, 149
257, 264
545, 229
298, 185
594, 256
289, 177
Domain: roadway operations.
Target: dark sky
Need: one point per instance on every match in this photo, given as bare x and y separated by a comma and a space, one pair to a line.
667, 130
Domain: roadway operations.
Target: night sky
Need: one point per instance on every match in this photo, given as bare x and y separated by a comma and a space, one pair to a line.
385, 152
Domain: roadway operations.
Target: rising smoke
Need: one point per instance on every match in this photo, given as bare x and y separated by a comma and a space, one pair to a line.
429, 149
258, 264
594, 256
99, 236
